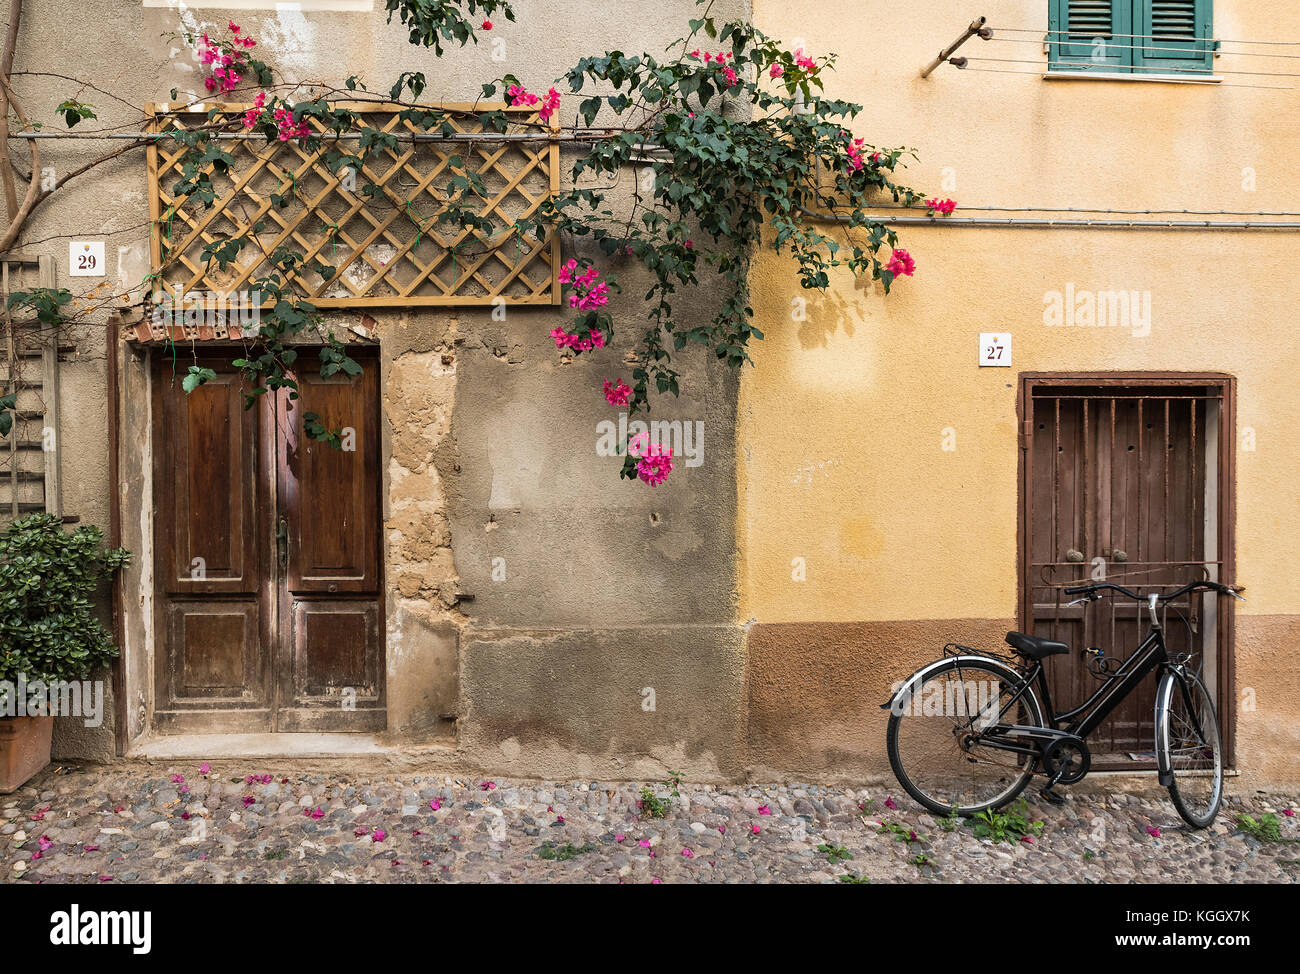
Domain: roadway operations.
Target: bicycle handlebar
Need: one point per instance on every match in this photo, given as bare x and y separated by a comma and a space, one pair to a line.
1092, 591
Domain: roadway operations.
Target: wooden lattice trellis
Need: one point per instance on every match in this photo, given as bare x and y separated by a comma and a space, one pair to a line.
386, 248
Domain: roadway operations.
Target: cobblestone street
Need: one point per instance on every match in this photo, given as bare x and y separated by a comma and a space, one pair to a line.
137, 823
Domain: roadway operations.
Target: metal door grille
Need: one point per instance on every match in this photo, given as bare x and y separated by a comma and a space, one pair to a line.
1123, 483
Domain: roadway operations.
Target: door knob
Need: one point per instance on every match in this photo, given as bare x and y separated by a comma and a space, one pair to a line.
282, 542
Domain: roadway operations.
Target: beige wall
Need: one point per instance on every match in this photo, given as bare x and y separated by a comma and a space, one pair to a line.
842, 419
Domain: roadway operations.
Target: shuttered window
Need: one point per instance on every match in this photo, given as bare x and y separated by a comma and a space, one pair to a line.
1140, 37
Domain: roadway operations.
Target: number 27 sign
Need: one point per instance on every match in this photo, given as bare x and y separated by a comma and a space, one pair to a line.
995, 350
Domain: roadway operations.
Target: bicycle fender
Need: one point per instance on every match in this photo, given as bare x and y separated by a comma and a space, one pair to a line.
1164, 773
902, 699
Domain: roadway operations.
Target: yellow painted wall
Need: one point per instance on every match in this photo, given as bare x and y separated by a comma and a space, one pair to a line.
841, 420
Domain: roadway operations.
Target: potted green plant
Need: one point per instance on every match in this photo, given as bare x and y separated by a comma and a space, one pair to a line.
49, 633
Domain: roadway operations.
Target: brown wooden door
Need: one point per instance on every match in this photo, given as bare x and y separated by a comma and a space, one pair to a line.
269, 595
1120, 478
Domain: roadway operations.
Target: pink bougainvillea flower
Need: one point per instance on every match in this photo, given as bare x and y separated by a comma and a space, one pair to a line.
249, 800
1027, 839
435, 804
91, 848
379, 835
234, 27
589, 291
616, 393
755, 829
764, 810
656, 465
1153, 832
185, 789
39, 814
560, 819
656, 881
315, 813
105, 879
549, 105
185, 816
687, 854
722, 829
690, 245
620, 837
520, 96
804, 61
487, 24
288, 128
889, 803
488, 786
644, 843
944, 207
1289, 812
901, 263
777, 71
177, 778
205, 768
45, 842
359, 832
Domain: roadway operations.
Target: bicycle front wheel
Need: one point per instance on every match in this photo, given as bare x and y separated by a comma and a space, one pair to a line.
933, 737
1189, 747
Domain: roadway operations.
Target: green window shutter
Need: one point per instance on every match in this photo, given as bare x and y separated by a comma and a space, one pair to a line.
1089, 35
1178, 36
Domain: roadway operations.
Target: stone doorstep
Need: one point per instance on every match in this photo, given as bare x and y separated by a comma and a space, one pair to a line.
224, 746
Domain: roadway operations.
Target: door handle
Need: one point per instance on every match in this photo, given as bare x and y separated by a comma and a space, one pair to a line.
282, 542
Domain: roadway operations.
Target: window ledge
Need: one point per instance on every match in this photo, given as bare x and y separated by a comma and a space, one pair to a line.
1168, 79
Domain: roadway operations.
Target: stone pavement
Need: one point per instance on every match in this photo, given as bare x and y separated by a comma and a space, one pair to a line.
136, 822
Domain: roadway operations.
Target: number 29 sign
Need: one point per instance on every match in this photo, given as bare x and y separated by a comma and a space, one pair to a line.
86, 258
995, 350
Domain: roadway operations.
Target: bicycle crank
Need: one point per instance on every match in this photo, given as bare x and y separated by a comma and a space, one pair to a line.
1066, 761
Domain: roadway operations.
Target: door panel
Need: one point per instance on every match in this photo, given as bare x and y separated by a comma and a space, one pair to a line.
262, 633
1117, 490
335, 645
328, 493
331, 652
209, 442
215, 654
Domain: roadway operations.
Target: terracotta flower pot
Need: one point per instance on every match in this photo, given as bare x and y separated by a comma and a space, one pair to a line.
24, 749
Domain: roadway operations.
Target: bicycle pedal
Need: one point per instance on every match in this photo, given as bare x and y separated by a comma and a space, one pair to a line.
1052, 797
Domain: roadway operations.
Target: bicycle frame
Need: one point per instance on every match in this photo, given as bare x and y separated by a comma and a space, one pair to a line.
1087, 717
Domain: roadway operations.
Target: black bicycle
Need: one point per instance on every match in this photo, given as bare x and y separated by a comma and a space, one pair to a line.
967, 732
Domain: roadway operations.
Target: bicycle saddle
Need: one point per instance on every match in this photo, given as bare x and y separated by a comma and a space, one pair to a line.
1031, 647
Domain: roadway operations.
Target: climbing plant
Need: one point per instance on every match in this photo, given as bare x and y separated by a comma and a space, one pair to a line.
736, 145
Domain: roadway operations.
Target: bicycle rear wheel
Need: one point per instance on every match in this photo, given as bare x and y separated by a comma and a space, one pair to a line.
933, 736
1190, 747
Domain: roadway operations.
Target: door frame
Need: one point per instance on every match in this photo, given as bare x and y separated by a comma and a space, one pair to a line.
1227, 506
274, 606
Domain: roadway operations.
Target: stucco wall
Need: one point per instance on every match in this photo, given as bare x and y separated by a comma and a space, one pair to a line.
490, 441
842, 422
591, 597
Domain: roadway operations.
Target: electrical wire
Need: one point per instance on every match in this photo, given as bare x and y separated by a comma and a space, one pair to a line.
1099, 74
1082, 40
1160, 68
1065, 33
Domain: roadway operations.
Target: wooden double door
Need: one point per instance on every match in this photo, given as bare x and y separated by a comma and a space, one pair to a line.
268, 577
